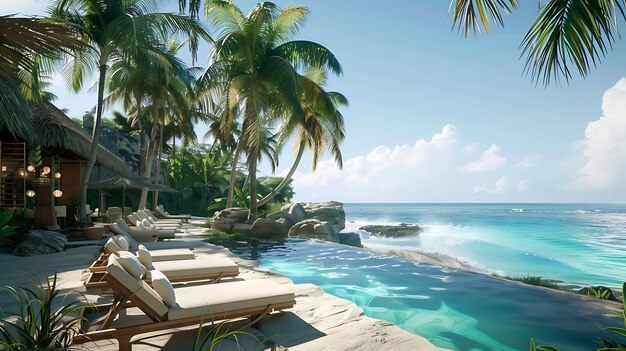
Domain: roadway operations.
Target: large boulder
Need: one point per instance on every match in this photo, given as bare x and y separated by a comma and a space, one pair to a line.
40, 242
314, 228
225, 220
264, 228
241, 228
331, 212
297, 213
351, 239
393, 231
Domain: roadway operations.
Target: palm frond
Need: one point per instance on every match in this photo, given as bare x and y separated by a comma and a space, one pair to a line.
471, 16
302, 54
571, 32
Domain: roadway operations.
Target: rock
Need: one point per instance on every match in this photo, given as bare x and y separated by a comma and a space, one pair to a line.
264, 228
314, 228
40, 242
241, 228
225, 220
297, 213
600, 292
352, 239
393, 231
286, 207
331, 212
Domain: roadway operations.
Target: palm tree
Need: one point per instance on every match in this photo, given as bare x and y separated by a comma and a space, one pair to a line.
23, 42
320, 126
113, 30
254, 59
566, 33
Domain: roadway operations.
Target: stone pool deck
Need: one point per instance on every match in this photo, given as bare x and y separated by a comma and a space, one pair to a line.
318, 321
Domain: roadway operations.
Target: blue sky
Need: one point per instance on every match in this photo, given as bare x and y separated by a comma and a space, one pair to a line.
435, 117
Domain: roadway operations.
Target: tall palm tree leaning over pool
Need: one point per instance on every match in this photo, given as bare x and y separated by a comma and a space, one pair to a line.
254, 59
113, 30
566, 32
319, 127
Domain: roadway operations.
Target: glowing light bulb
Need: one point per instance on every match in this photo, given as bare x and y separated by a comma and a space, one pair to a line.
4, 168
31, 168
57, 193
46, 170
22, 173
30, 193
57, 175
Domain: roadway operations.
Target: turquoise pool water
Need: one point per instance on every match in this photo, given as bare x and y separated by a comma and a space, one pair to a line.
576, 243
453, 309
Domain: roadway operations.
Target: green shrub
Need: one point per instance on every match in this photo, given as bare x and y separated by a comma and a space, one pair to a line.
39, 324
13, 225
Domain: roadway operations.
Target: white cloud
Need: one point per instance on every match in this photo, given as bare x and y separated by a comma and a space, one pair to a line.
522, 186
384, 167
529, 161
489, 161
24, 7
604, 145
471, 148
501, 186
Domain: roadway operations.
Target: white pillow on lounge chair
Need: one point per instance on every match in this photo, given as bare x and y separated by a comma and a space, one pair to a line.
163, 288
131, 264
122, 242
140, 225
144, 257
147, 223
112, 246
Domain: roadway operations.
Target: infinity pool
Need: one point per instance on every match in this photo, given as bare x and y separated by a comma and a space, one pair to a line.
453, 309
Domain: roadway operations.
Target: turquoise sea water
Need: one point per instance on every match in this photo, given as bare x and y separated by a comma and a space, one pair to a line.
576, 243
466, 311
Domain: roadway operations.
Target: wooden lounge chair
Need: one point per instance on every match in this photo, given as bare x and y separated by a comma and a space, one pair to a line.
211, 269
137, 232
157, 255
147, 215
160, 211
192, 305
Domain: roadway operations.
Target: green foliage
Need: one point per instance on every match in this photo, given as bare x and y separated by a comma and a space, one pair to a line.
267, 184
40, 324
532, 280
13, 224
599, 292
34, 156
217, 237
220, 332
272, 207
241, 198
607, 344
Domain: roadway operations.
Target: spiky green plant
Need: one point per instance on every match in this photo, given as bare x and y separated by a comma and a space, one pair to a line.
220, 332
40, 324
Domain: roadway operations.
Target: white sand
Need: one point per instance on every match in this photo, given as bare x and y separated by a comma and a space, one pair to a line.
318, 321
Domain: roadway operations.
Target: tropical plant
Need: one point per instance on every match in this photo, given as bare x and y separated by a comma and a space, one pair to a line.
112, 31
318, 127
566, 33
13, 224
254, 60
606, 344
22, 42
40, 324
218, 333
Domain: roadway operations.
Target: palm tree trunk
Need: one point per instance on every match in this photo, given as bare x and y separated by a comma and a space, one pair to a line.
233, 175
252, 213
95, 142
285, 180
149, 156
158, 169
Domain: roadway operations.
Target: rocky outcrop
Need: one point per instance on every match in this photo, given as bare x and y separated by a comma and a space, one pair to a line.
40, 242
331, 212
226, 219
314, 228
264, 228
319, 220
393, 231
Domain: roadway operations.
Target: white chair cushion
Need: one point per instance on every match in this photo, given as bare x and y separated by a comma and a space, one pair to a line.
164, 288
146, 223
112, 246
131, 264
122, 242
144, 257
140, 225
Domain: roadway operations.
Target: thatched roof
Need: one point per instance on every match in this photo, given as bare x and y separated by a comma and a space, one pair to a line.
55, 129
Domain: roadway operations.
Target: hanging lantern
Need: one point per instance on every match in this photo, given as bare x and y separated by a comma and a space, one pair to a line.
30, 193
46, 170
57, 193
57, 175
31, 168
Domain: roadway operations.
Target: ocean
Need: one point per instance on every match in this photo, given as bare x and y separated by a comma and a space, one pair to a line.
582, 244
